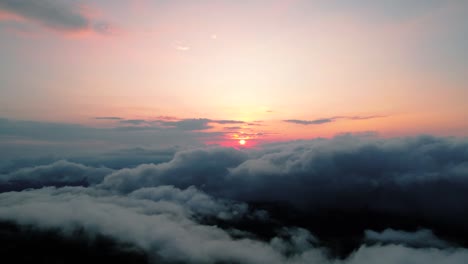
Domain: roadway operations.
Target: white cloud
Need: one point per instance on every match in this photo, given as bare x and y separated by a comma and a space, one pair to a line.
420, 238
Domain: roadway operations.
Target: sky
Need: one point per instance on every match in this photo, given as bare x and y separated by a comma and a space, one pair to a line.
234, 131
284, 69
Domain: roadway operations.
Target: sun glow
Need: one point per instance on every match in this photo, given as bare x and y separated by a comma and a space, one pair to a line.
242, 142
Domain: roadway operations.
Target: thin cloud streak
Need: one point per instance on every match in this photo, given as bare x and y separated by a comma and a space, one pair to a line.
330, 119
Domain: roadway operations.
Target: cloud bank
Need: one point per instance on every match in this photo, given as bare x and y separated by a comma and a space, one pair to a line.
160, 221
420, 238
349, 199
380, 174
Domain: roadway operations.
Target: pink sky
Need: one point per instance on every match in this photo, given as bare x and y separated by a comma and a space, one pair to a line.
266, 61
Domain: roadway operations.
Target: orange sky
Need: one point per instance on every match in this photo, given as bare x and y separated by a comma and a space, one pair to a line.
395, 69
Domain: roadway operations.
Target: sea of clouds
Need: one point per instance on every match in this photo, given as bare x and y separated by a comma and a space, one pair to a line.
349, 199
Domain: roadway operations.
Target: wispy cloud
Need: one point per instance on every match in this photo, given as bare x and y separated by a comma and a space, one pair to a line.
310, 122
320, 121
233, 128
225, 122
196, 123
188, 124
61, 15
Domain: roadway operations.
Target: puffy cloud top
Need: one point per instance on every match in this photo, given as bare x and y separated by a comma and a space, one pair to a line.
362, 198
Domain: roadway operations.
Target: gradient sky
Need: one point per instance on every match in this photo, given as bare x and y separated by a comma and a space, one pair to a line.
260, 70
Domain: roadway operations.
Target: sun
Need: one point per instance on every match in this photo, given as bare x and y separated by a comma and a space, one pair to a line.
242, 142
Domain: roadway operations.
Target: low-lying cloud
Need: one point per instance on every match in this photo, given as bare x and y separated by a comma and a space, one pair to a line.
161, 222
420, 238
349, 199
60, 172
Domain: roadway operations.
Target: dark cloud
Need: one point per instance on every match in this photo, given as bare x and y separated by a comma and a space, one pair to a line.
29, 138
361, 117
19, 244
56, 14
310, 122
399, 254
255, 123
197, 123
225, 122
47, 130
188, 124
250, 135
19, 128
205, 168
127, 158
329, 120
162, 221
116, 159
58, 173
391, 176
233, 128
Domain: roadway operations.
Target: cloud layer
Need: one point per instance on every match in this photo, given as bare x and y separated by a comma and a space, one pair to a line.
394, 175
350, 199
160, 221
